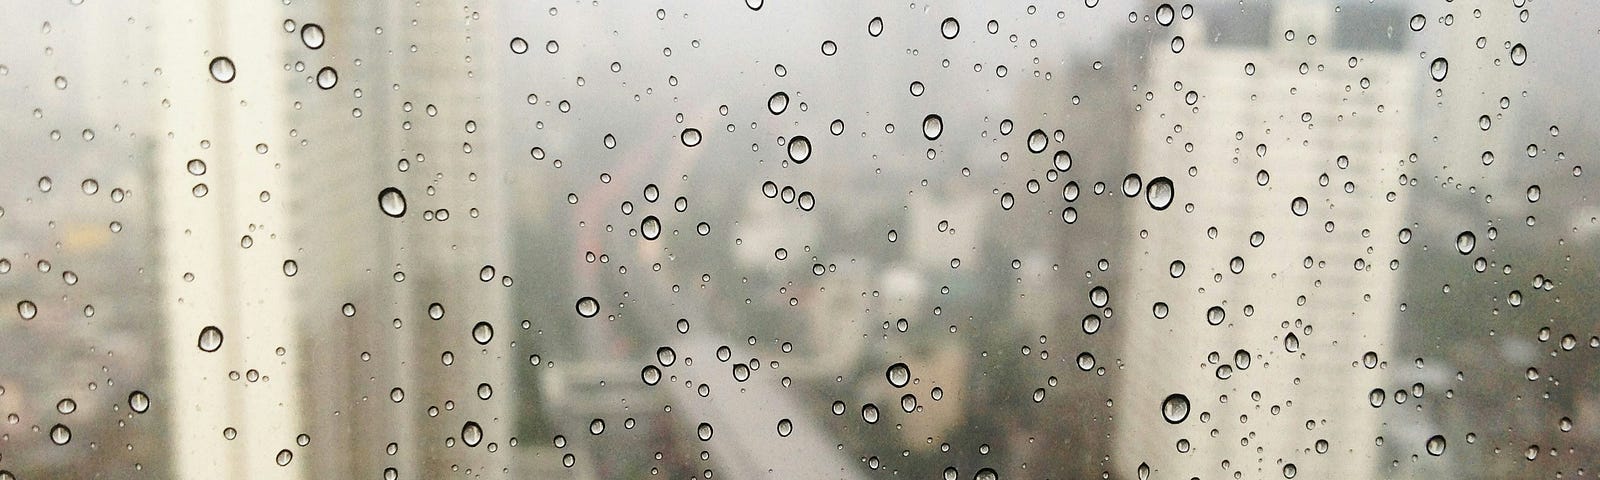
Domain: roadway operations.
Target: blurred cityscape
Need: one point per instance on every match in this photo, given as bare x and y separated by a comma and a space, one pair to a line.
798, 240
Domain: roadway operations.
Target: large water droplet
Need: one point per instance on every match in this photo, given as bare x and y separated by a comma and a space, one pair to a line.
665, 356
139, 402
869, 413
1417, 22
210, 339
519, 45
1299, 206
597, 426
60, 434
1159, 193
1215, 315
799, 149
392, 202
1465, 242
222, 69
650, 228
311, 34
899, 375
949, 27
482, 333
588, 307
27, 310
875, 26
327, 78
650, 374
785, 427
1436, 445
1037, 140
284, 457
932, 127
777, 103
1439, 68
471, 434
703, 431
1175, 409
1519, 54
690, 137
1164, 14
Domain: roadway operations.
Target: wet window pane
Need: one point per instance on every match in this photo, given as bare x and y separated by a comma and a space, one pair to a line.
777, 239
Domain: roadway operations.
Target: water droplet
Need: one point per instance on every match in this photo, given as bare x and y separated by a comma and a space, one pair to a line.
1131, 185
222, 69
898, 374
588, 307
1299, 206
482, 333
1289, 470
932, 127
1215, 315
986, 474
949, 28
785, 427
519, 46
392, 202
703, 431
799, 149
875, 26
1417, 22
1436, 445
66, 406
1533, 194
139, 402
1007, 201
471, 434
650, 374
311, 35
1037, 140
552, 47
754, 4
690, 137
1164, 14
210, 339
666, 356
327, 78
1438, 69
1175, 408
27, 310
1465, 242
1159, 193
597, 426
869, 412
60, 434
1291, 343
1519, 54
777, 103
1375, 397
650, 227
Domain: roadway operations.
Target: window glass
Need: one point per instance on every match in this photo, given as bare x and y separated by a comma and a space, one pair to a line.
782, 239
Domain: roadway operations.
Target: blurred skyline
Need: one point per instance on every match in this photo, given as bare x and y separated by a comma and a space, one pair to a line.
1059, 219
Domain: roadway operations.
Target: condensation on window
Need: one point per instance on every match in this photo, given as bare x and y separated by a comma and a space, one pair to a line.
782, 239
